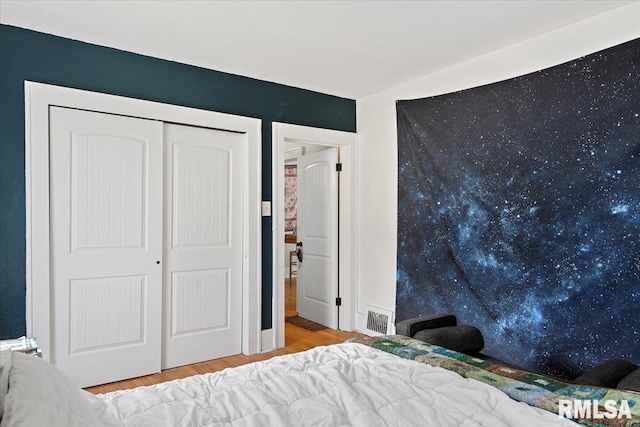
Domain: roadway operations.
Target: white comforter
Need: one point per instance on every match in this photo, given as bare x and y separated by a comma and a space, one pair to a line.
340, 385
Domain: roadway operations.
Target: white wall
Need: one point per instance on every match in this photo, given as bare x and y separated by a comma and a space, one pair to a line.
377, 137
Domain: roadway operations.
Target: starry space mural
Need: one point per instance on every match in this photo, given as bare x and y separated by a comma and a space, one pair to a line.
519, 211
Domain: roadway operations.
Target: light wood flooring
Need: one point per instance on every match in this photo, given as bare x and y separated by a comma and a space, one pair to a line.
296, 339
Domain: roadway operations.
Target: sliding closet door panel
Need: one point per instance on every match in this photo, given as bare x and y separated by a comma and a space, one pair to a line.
204, 191
106, 222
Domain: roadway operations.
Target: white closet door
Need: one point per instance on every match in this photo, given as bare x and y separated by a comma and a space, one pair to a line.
204, 193
106, 227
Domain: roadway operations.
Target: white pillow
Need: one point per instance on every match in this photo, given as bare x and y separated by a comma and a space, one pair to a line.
39, 394
5, 366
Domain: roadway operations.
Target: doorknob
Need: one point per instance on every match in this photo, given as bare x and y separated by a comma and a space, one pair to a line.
299, 251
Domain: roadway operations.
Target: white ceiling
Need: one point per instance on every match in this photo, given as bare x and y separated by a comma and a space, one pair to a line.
344, 48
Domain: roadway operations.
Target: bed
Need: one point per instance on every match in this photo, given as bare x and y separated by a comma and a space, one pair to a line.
374, 382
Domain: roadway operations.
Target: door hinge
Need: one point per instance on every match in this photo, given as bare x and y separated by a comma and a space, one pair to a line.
338, 167
338, 301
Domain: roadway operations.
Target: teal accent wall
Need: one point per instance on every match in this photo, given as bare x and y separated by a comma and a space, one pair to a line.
38, 57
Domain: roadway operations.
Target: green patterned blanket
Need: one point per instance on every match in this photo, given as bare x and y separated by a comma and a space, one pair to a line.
533, 389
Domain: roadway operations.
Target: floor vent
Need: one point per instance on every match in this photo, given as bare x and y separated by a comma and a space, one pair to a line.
378, 320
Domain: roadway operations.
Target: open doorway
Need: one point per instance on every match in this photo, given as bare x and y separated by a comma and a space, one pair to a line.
295, 138
311, 235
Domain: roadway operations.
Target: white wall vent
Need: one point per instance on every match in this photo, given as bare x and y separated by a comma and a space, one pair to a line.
379, 321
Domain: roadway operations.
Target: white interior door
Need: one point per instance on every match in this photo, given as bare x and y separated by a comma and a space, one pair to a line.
106, 231
317, 283
203, 244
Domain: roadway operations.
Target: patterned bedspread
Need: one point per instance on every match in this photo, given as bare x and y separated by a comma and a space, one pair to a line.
533, 389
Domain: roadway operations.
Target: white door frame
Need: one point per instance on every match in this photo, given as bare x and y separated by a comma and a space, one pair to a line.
38, 98
346, 141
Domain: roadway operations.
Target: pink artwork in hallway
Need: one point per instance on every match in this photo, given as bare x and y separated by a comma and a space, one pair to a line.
290, 197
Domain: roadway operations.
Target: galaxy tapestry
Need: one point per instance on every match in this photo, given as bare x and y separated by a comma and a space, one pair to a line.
519, 211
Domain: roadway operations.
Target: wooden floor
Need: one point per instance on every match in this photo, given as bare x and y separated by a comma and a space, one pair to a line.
296, 339
290, 308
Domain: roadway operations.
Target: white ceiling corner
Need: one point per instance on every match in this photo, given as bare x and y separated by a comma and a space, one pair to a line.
344, 48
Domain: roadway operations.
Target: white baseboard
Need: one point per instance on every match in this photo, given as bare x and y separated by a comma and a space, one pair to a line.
267, 341
361, 322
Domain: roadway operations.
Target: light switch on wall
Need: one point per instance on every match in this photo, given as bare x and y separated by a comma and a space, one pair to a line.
266, 208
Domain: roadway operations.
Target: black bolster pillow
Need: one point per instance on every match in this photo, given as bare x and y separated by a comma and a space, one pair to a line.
462, 338
410, 327
607, 374
631, 381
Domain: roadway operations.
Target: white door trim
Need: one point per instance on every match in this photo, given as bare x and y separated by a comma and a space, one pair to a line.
282, 133
38, 98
